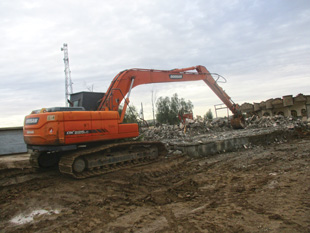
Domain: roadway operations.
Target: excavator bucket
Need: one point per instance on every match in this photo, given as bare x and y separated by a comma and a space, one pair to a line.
238, 122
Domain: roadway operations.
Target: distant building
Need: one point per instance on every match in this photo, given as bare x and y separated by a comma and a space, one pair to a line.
12, 141
298, 106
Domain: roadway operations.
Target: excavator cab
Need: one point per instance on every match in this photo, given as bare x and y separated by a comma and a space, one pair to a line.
88, 100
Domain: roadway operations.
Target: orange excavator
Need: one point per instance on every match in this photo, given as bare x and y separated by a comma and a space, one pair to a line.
183, 117
88, 143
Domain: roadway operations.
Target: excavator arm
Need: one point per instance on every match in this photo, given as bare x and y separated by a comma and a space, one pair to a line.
123, 83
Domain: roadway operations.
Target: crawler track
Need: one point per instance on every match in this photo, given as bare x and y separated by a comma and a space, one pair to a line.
107, 158
34, 159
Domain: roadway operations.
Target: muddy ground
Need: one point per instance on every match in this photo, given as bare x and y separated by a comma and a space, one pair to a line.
262, 189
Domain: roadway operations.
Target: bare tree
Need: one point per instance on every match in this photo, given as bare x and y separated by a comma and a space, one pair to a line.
89, 87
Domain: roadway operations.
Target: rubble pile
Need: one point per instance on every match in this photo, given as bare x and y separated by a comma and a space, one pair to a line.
213, 128
278, 121
192, 128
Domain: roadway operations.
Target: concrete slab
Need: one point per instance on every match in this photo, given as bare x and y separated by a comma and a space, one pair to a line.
205, 145
19, 161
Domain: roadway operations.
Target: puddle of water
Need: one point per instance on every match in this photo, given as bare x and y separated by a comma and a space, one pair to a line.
23, 219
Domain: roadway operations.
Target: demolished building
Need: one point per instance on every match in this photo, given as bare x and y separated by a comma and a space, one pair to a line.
298, 106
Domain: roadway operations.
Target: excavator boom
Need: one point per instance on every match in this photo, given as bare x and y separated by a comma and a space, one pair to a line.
128, 79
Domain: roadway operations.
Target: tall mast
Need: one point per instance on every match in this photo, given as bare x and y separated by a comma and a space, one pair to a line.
68, 81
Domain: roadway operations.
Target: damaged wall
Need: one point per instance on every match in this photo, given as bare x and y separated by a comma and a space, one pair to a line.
298, 106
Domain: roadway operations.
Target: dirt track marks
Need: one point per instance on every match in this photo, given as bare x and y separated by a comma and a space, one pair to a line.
254, 190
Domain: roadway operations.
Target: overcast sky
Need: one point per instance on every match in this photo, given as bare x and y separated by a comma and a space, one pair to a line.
261, 47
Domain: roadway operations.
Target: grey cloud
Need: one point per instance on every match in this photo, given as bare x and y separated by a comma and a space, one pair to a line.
254, 44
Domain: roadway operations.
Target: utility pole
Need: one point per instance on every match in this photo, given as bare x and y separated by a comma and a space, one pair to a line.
141, 112
153, 100
68, 81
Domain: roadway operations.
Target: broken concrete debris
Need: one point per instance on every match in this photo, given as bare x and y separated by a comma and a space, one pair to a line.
219, 127
275, 121
202, 138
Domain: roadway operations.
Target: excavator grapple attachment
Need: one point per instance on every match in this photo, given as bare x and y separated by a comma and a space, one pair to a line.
238, 122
